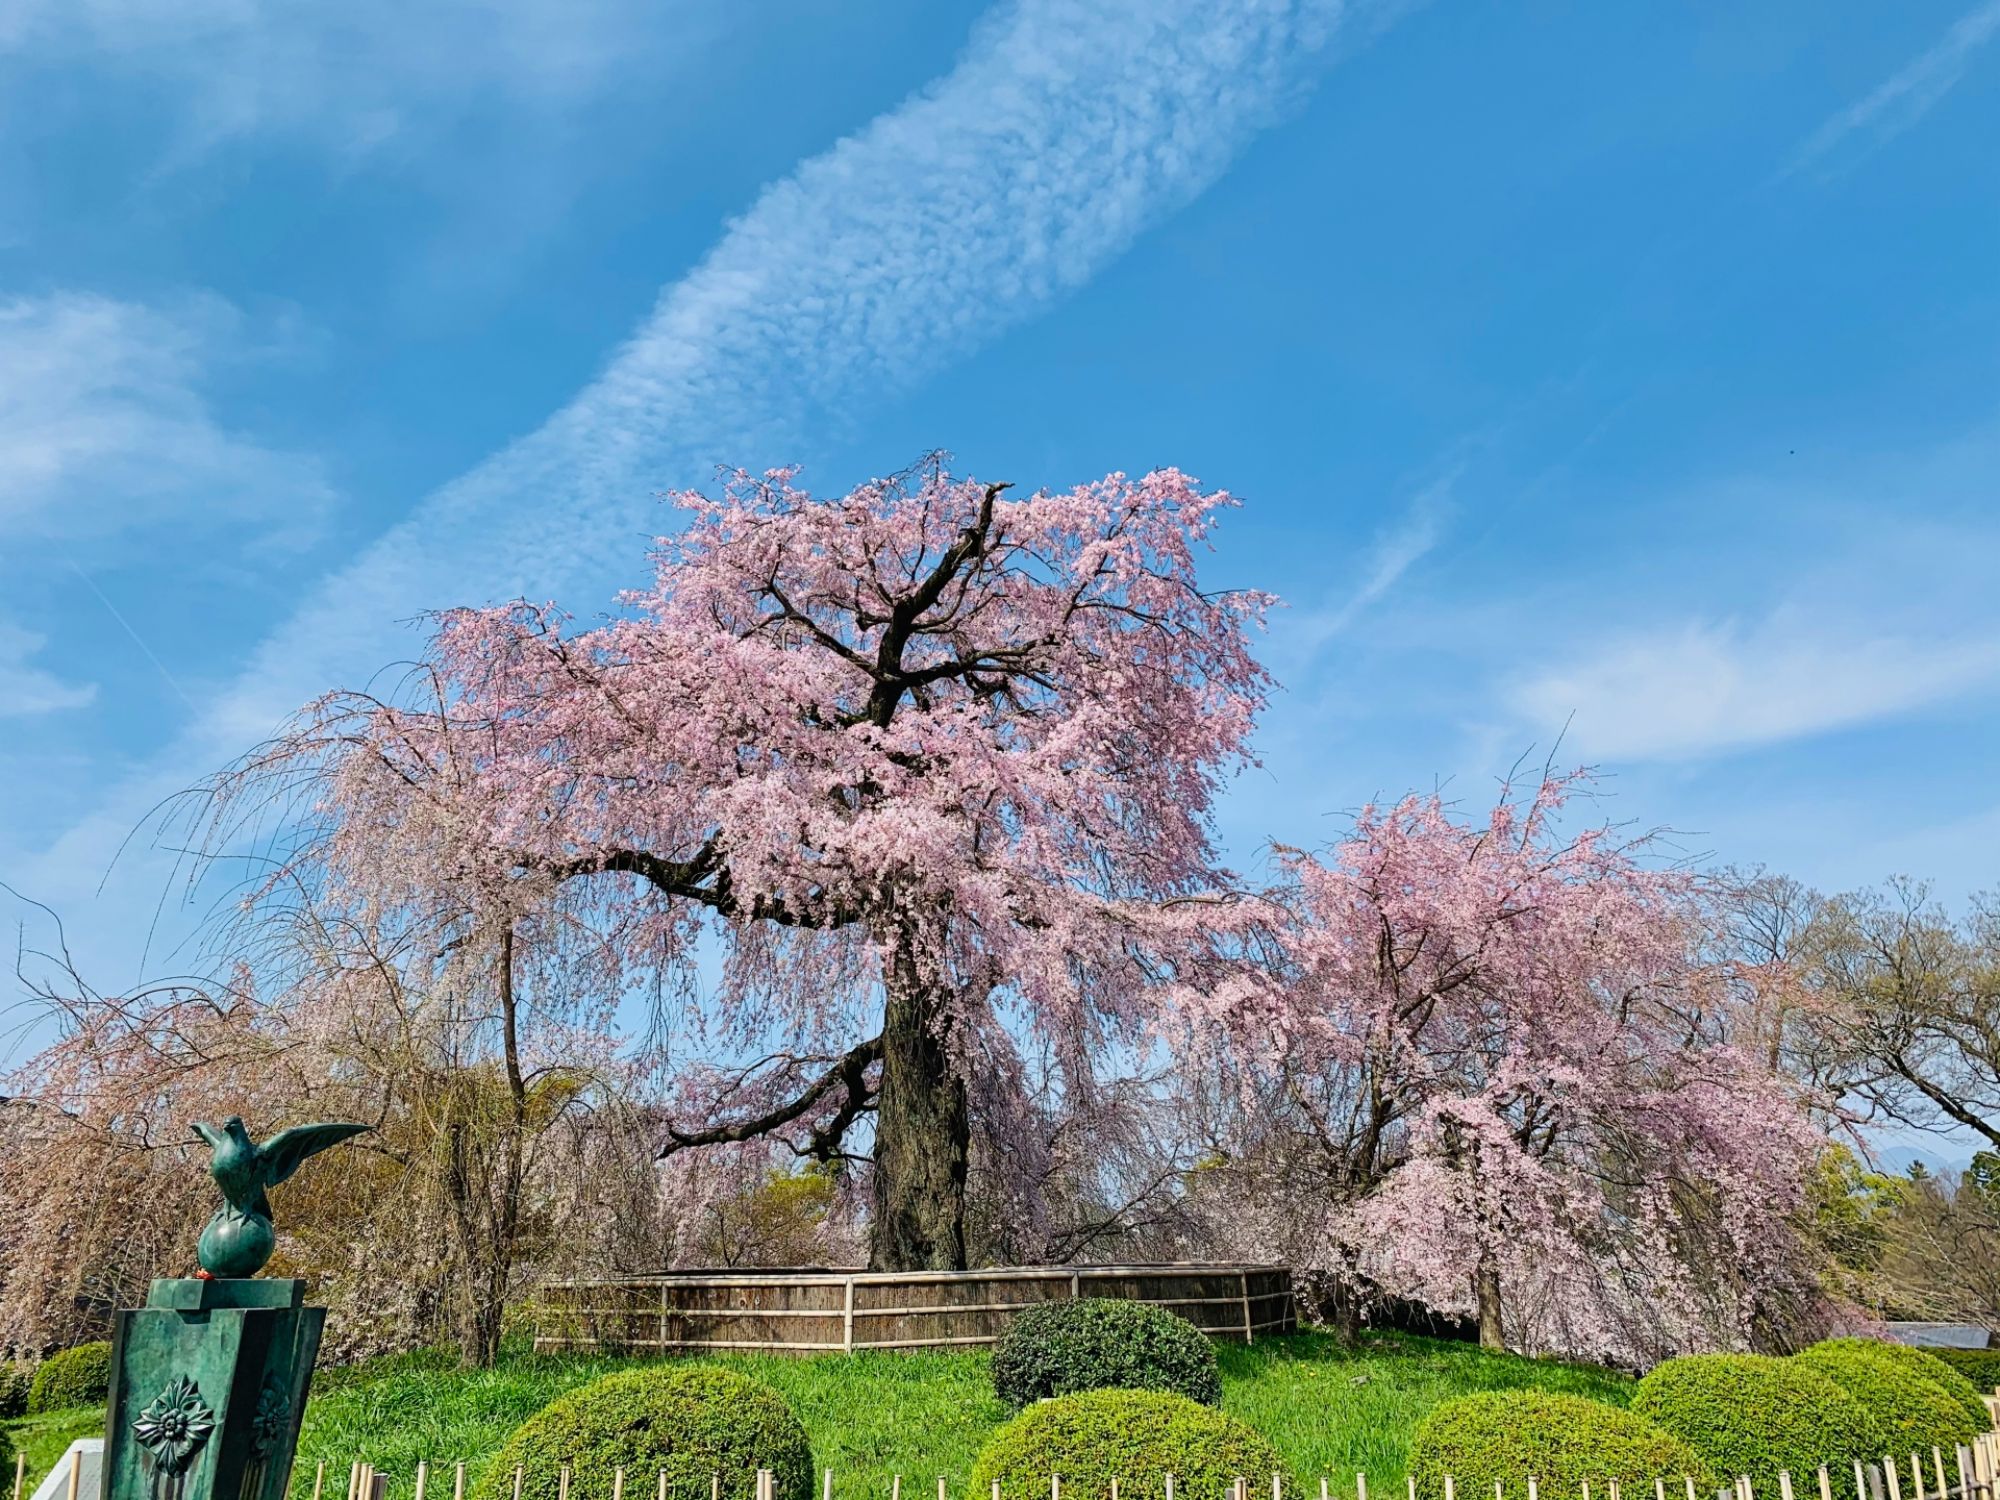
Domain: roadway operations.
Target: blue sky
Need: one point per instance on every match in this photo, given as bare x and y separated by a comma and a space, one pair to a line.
1632, 367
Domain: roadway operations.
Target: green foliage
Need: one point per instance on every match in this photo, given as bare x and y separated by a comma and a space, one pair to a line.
382, 1367
14, 1382
6, 1454
1102, 1343
1749, 1414
1979, 1366
75, 1377
1907, 1410
1851, 1216
1135, 1437
1326, 1407
1925, 1365
693, 1421
1565, 1442
42, 1440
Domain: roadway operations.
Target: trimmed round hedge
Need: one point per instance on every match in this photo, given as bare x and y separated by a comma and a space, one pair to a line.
1135, 1437
13, 1390
1752, 1414
1908, 1411
1564, 1441
1926, 1364
694, 1421
1980, 1366
75, 1377
1102, 1343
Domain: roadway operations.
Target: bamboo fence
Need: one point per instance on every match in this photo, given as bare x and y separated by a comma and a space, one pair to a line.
1967, 1472
821, 1312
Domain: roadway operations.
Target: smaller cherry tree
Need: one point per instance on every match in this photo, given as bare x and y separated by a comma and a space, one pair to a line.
1505, 1049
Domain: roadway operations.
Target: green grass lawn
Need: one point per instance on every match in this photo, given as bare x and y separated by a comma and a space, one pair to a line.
1330, 1411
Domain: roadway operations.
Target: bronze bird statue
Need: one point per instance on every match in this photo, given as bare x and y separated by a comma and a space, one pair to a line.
239, 1239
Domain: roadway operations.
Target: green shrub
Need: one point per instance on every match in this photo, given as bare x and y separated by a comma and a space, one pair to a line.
1908, 1412
1980, 1366
14, 1381
691, 1420
1135, 1437
6, 1455
1102, 1343
1925, 1365
1750, 1414
75, 1377
1564, 1441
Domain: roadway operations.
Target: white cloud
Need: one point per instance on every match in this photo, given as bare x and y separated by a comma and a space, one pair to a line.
1704, 687
27, 691
355, 73
1907, 95
105, 430
1068, 128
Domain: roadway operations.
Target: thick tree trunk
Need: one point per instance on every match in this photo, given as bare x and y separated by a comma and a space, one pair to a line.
1486, 1284
923, 1133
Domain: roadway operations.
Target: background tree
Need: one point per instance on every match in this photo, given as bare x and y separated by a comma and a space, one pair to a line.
1901, 1010
1500, 1044
933, 764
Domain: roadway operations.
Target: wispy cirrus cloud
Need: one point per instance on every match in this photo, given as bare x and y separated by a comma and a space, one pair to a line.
355, 75
1067, 129
1710, 686
1908, 94
106, 430
28, 691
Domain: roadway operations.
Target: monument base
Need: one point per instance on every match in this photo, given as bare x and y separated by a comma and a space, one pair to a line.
208, 1383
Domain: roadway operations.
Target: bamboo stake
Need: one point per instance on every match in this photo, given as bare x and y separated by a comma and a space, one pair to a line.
20, 1473
1690, 1484
1825, 1484
618, 1485
458, 1480
354, 1480
1964, 1481
1114, 1488
319, 1478
1895, 1479
75, 1474
423, 1473
1860, 1481
1784, 1484
1360, 1486
518, 1476
1937, 1468
1450, 1488
562, 1483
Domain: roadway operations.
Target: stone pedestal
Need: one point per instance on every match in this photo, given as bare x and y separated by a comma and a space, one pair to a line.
208, 1382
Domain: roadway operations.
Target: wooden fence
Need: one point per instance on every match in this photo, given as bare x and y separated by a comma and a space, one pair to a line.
819, 1312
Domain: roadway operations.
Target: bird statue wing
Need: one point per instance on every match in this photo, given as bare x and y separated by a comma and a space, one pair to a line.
283, 1152
209, 1134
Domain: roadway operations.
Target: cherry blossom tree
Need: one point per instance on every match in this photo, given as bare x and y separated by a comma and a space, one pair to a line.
1503, 1048
929, 766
